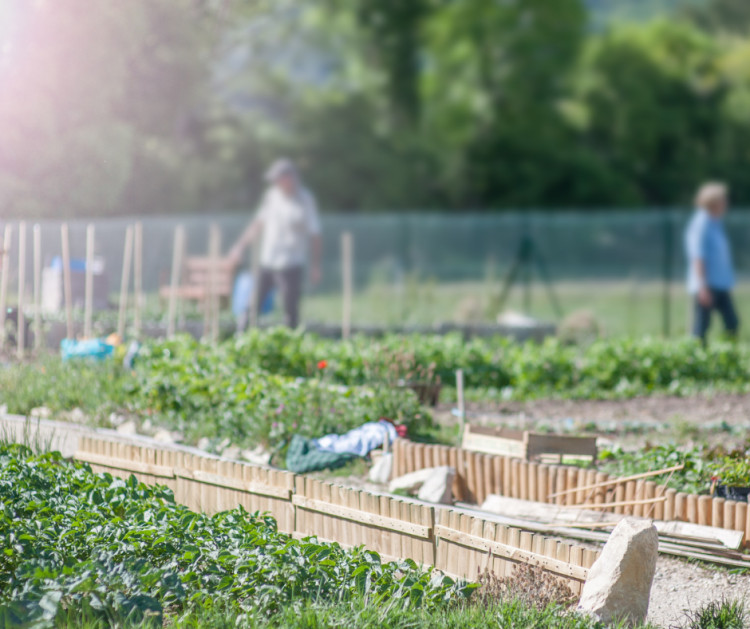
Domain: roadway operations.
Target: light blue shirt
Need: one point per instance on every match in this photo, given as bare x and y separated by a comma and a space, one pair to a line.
706, 239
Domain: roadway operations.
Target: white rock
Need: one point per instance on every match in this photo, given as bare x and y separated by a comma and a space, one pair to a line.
619, 583
411, 482
380, 471
76, 416
204, 443
163, 436
128, 428
232, 452
41, 412
438, 488
258, 456
147, 426
116, 419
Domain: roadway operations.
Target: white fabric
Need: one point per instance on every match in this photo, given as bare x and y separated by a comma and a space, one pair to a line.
288, 223
359, 441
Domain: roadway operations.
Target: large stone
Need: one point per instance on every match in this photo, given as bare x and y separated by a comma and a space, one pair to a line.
432, 484
437, 488
128, 428
410, 483
619, 583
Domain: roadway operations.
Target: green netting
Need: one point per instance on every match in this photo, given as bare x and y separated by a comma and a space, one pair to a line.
409, 257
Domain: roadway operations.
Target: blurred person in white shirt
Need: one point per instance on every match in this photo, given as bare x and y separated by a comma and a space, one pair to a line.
288, 226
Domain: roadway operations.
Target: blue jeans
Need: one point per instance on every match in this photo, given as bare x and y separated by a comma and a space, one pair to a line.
721, 301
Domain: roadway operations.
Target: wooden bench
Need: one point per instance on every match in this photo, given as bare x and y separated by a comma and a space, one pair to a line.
527, 445
196, 276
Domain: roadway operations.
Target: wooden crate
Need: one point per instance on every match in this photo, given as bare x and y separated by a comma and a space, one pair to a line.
527, 445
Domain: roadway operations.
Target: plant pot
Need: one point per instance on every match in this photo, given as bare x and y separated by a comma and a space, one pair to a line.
730, 492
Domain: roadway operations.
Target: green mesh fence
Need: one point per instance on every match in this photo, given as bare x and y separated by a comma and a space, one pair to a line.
426, 268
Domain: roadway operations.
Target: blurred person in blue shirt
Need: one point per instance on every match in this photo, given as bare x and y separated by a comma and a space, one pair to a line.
710, 273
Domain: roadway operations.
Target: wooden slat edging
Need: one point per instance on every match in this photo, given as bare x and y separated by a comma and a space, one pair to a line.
125, 465
217, 480
354, 515
578, 573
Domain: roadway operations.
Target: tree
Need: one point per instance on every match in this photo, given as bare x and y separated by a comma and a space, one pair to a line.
654, 98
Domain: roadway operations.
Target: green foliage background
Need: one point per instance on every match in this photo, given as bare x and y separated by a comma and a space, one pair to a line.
156, 106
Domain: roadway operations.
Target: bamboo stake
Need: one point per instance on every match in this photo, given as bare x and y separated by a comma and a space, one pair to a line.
347, 245
37, 286
21, 328
177, 253
138, 276
4, 258
127, 260
255, 305
89, 286
626, 503
213, 303
461, 404
68, 288
618, 481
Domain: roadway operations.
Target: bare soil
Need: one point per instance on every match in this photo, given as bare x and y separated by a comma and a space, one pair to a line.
700, 409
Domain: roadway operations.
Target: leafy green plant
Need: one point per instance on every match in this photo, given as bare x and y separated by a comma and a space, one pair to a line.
732, 471
694, 478
102, 548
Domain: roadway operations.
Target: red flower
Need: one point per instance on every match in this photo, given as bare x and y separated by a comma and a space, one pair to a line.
322, 364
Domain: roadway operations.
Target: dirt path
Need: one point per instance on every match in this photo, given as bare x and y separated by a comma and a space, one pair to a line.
731, 408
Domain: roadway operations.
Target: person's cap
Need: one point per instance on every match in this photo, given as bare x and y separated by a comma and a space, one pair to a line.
279, 168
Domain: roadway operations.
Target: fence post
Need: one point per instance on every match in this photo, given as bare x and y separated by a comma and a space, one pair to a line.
21, 327
67, 286
4, 270
347, 280
177, 253
667, 270
37, 286
138, 277
89, 286
127, 256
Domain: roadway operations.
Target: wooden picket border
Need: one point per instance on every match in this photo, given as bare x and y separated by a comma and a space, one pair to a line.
454, 541
479, 475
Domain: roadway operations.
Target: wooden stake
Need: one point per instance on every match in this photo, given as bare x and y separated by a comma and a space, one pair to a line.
174, 284
138, 276
37, 286
626, 503
4, 263
127, 260
21, 329
67, 286
347, 263
461, 403
255, 306
88, 311
213, 292
618, 481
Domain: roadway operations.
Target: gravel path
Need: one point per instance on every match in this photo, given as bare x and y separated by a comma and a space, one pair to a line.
680, 586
